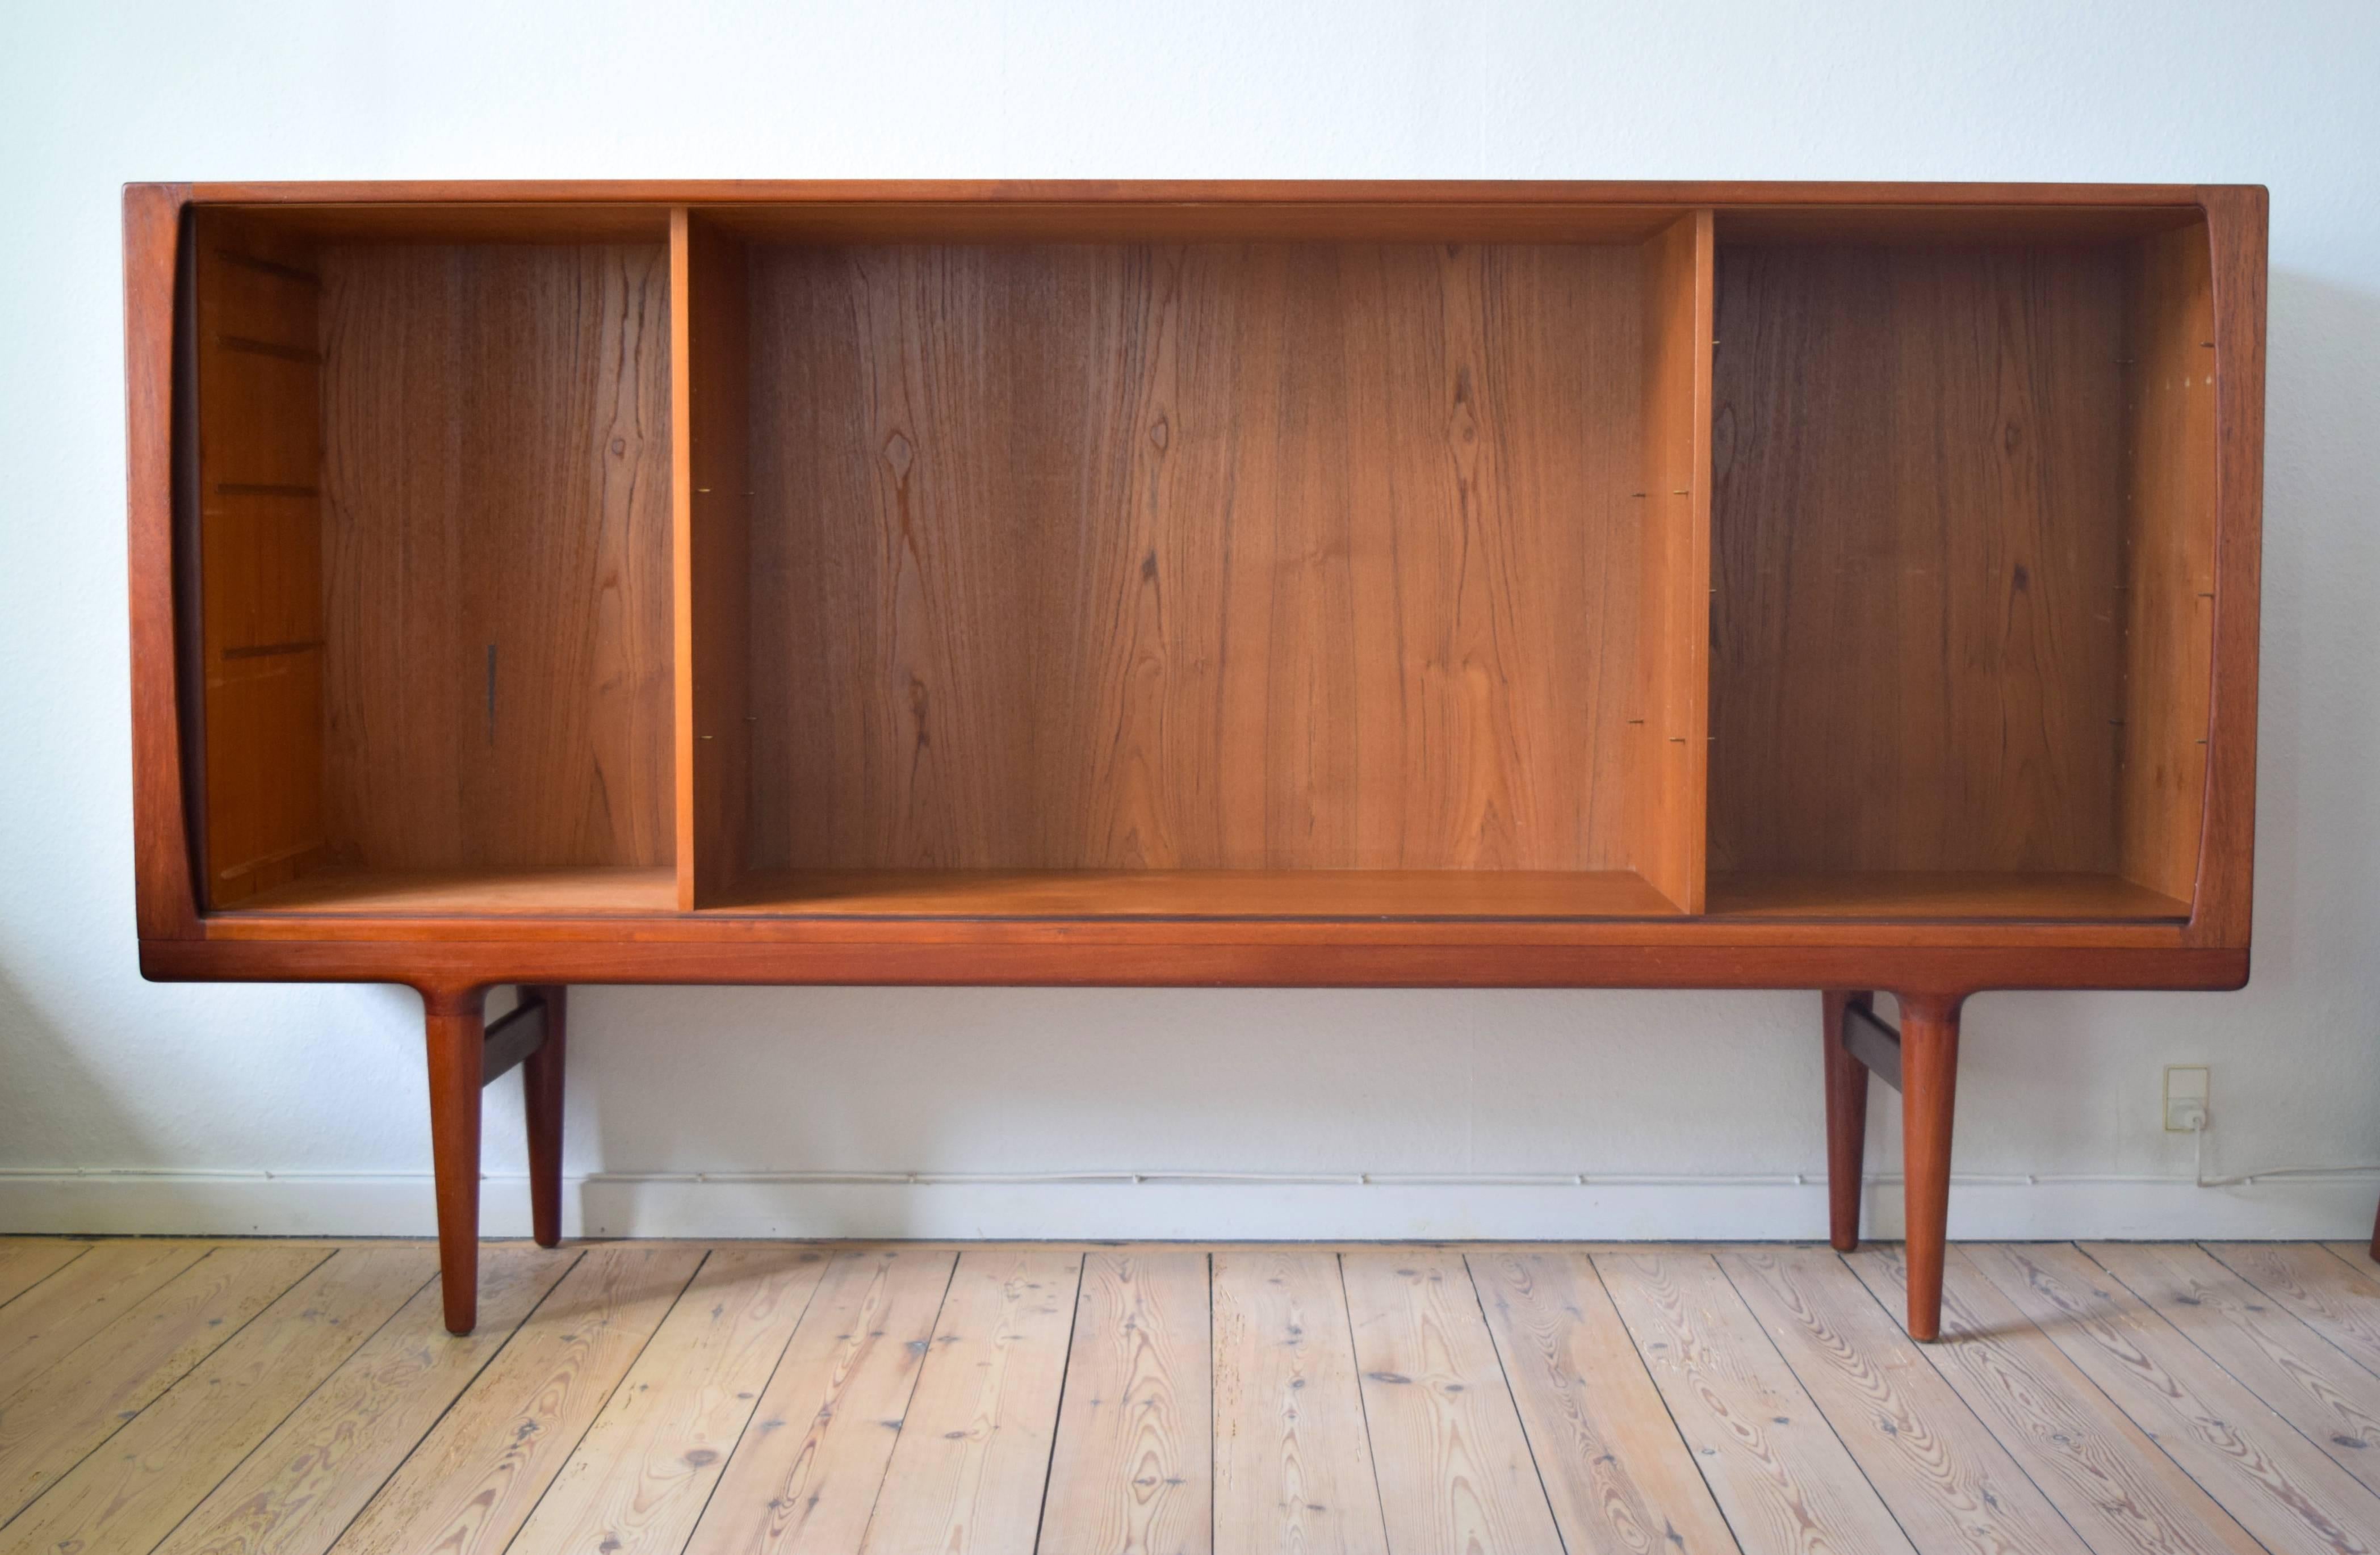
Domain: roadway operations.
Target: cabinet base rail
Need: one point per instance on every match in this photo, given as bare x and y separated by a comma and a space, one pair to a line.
1921, 1061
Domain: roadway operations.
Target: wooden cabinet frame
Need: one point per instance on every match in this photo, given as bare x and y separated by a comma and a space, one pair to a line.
1828, 586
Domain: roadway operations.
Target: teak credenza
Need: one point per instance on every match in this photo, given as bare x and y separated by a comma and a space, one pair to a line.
1832, 586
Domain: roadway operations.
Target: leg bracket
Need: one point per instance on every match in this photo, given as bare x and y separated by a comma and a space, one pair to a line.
1874, 1044
515, 1038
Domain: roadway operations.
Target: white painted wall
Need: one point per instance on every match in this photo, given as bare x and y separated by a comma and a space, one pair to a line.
127, 1106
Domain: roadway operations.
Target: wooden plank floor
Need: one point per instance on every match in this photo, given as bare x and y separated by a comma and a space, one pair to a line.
293, 1398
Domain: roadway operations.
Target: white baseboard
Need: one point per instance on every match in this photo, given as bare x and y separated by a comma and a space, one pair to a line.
1185, 1207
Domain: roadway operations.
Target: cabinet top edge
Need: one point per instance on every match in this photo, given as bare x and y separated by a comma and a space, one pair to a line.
1199, 191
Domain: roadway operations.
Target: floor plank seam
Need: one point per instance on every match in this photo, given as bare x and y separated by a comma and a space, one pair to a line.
2253, 1283
2146, 1429
460, 1394
46, 1277
596, 1411
1931, 1354
1065, 1370
320, 1383
2185, 1337
1214, 1413
1692, 1457
760, 1396
1364, 1404
933, 1329
2364, 1267
1817, 1408
2098, 1396
1505, 1370
125, 1421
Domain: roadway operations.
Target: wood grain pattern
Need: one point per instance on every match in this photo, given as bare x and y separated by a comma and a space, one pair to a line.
806, 1474
972, 1463
132, 1493
1455, 1472
1618, 1480
2318, 1288
1294, 1469
1132, 1469
1257, 556
497, 590
2277, 1484
470, 1485
1947, 1482
2103, 1472
1778, 1469
1670, 743
1917, 539
25, 1262
53, 1317
308, 1479
646, 1467
2168, 575
2293, 1370
68, 1410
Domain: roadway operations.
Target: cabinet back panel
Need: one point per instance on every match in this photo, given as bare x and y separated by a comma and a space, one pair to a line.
1208, 557
1917, 539
496, 575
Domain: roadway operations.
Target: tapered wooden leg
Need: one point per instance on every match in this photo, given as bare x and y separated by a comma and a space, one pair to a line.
1846, 1123
458, 1039
541, 1100
1929, 1083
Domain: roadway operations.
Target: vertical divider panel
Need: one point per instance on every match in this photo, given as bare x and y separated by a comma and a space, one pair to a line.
711, 476
1669, 786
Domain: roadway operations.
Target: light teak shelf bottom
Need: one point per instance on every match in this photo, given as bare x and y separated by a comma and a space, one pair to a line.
1281, 893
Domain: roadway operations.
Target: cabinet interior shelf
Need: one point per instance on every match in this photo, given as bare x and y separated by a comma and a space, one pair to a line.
905, 561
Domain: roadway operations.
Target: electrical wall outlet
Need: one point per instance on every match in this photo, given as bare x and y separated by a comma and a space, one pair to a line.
2186, 1087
